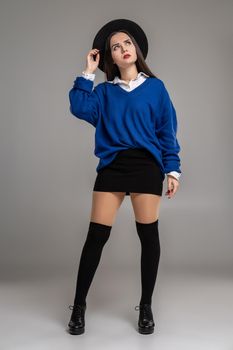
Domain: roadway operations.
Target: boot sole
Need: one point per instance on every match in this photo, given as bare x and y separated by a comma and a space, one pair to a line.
145, 331
76, 331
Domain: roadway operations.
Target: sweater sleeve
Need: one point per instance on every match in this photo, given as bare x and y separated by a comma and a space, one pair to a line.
166, 130
84, 100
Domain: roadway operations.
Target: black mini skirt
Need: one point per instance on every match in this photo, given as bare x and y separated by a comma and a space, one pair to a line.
132, 170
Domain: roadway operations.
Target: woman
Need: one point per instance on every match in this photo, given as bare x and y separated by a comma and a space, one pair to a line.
136, 142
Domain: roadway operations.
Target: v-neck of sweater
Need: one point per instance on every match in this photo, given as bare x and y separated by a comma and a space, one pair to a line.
131, 92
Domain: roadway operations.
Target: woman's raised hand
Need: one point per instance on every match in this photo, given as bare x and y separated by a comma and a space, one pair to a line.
91, 65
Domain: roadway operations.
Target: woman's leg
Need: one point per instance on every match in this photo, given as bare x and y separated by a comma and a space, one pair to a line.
146, 206
146, 209
103, 213
105, 206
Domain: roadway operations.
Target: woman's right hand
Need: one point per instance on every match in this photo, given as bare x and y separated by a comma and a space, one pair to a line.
91, 65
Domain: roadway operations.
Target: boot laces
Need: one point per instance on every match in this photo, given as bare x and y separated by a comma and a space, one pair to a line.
146, 310
77, 307
77, 313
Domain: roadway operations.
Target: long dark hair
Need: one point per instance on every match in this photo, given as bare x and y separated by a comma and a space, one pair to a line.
111, 70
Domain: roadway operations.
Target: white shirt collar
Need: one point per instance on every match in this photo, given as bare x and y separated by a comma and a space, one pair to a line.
118, 80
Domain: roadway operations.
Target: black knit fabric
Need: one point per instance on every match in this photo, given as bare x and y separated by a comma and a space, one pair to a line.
97, 236
150, 255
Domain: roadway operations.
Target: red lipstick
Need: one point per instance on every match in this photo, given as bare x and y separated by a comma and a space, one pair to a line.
126, 55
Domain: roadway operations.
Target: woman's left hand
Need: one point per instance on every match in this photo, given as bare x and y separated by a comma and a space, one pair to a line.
172, 186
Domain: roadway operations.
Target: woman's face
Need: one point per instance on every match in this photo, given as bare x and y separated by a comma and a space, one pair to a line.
121, 44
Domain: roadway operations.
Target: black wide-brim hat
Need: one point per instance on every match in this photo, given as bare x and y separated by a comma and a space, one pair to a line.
133, 28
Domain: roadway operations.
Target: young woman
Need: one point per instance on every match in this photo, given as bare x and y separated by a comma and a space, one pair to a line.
136, 142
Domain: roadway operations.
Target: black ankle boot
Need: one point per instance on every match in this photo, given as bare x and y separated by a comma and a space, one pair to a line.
146, 321
77, 320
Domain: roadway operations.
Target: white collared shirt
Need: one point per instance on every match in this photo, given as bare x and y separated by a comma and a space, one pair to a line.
132, 84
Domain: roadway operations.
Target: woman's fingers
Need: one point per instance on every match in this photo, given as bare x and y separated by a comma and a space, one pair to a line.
94, 51
172, 185
91, 63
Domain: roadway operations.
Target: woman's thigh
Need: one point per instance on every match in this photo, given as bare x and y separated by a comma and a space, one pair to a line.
105, 206
146, 206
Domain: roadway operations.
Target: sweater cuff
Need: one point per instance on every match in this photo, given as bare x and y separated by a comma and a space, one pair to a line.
83, 84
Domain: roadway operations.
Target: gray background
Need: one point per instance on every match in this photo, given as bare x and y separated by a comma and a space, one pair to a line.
48, 167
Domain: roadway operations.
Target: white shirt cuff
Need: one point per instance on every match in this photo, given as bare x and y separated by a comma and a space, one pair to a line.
90, 76
175, 174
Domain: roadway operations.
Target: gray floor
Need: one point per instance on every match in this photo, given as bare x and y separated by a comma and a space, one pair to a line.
191, 311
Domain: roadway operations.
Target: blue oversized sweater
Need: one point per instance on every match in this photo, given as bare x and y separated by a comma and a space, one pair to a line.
142, 118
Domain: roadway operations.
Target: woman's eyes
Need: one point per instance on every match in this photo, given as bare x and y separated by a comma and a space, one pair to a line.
127, 42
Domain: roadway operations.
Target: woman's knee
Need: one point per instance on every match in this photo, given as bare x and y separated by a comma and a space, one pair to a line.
98, 234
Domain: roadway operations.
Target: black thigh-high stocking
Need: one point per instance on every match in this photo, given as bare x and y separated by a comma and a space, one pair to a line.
150, 255
97, 236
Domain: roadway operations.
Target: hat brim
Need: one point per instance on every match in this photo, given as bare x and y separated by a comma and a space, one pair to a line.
133, 28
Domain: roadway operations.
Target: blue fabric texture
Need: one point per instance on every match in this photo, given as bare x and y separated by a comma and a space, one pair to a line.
142, 118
